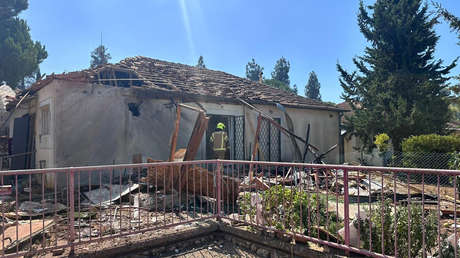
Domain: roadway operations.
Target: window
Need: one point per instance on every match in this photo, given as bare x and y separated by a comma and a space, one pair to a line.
269, 141
45, 120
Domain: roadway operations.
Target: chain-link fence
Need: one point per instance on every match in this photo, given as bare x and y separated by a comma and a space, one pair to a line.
411, 160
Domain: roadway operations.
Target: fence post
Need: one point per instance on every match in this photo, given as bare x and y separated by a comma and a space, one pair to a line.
71, 209
219, 189
346, 208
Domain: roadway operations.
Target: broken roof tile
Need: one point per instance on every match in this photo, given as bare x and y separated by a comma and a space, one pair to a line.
184, 79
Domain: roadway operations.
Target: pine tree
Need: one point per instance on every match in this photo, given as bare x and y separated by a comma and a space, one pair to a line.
20, 56
312, 87
99, 56
399, 88
281, 71
253, 71
200, 63
295, 89
454, 23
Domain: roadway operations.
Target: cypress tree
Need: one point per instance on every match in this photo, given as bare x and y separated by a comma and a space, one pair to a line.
200, 63
253, 70
399, 88
312, 87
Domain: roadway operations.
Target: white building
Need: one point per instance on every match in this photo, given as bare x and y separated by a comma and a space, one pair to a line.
108, 114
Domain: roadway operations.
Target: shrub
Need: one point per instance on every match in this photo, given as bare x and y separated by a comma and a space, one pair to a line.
398, 220
382, 142
284, 208
429, 151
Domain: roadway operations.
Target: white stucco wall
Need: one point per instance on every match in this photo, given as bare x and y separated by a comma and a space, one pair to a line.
353, 155
91, 125
95, 126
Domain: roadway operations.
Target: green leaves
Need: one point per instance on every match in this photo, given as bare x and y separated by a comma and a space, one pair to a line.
11, 8
399, 85
281, 71
99, 56
279, 84
21, 56
312, 87
200, 63
383, 218
292, 210
254, 71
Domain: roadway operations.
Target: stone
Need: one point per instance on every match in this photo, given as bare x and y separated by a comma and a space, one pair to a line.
254, 247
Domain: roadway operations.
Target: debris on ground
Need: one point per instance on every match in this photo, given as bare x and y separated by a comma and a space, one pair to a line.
108, 194
198, 181
24, 230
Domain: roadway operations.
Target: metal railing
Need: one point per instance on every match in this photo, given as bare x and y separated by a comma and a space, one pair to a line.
373, 211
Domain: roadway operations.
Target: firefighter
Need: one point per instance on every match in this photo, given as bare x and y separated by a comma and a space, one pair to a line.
219, 141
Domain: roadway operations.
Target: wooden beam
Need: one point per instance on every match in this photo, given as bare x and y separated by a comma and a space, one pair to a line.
199, 129
191, 108
254, 149
175, 134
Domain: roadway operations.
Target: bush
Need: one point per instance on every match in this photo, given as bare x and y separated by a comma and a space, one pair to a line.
429, 151
283, 209
382, 142
398, 220
431, 143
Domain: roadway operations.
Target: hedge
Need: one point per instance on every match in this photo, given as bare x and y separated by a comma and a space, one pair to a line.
429, 151
431, 143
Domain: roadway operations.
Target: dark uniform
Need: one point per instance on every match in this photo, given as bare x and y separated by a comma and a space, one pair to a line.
219, 141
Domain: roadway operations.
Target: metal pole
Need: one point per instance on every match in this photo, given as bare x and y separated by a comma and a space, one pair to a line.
71, 211
346, 208
219, 189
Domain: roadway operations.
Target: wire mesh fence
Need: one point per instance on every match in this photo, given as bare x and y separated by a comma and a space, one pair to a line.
410, 160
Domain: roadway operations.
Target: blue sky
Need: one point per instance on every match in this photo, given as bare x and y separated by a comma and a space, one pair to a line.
311, 34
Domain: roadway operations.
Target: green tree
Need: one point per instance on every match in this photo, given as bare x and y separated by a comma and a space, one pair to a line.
279, 85
200, 63
312, 87
454, 23
295, 89
20, 55
281, 71
254, 71
399, 88
99, 56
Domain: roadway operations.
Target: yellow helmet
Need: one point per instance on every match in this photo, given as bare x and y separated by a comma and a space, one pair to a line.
220, 126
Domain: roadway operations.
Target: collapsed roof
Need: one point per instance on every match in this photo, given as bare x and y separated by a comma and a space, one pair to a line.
176, 79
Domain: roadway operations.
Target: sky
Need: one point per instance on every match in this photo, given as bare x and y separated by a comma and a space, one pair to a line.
313, 35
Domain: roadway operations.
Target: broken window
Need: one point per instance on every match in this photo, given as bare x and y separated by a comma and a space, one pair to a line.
118, 78
134, 109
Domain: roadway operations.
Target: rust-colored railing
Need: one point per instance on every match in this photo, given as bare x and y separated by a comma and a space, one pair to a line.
373, 211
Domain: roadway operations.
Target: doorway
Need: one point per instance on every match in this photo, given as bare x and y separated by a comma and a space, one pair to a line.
234, 126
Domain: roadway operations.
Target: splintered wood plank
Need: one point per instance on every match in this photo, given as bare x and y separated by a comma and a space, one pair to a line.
25, 231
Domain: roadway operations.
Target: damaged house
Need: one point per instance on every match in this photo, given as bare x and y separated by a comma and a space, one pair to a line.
111, 113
